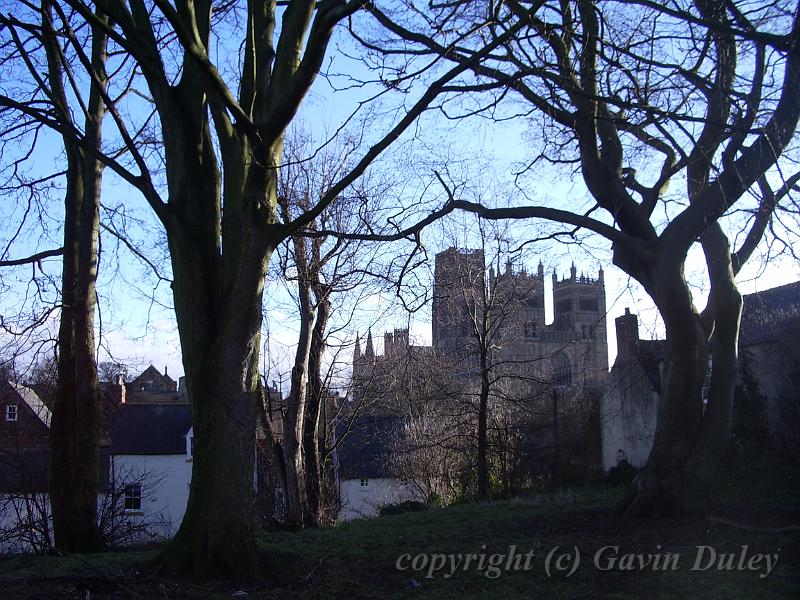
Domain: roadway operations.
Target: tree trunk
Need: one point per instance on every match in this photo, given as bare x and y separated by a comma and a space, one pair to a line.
483, 419
676, 479
218, 306
725, 311
74, 432
217, 535
294, 419
314, 433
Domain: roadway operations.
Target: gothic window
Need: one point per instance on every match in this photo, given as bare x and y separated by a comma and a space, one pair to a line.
561, 369
589, 305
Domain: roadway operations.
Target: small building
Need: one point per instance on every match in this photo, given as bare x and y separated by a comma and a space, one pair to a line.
629, 407
151, 465
367, 480
24, 503
768, 353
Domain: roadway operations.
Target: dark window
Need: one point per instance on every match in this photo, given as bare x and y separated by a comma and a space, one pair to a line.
364, 482
590, 304
11, 412
133, 497
564, 306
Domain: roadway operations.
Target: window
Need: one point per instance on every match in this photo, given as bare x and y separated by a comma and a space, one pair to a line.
364, 482
133, 497
11, 412
561, 370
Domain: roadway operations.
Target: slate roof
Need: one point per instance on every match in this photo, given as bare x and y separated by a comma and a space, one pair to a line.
765, 314
151, 429
649, 354
365, 450
764, 318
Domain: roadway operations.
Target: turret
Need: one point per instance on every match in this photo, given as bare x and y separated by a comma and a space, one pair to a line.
369, 353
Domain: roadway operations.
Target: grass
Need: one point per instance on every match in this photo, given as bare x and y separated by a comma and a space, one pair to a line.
358, 560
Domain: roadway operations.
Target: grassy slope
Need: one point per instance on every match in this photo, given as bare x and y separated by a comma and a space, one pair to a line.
357, 560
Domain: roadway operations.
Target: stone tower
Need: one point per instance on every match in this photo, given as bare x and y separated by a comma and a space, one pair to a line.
579, 303
458, 288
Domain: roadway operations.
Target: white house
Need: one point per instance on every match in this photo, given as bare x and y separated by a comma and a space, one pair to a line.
151, 466
365, 475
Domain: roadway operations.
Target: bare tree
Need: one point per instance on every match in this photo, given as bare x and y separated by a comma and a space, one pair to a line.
637, 96
324, 268
220, 148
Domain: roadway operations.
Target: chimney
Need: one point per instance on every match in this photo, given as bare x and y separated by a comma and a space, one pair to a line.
627, 336
116, 392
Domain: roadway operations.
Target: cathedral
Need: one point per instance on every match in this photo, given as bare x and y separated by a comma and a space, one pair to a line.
494, 317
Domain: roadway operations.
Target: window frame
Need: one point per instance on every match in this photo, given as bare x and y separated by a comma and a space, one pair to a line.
132, 497
11, 409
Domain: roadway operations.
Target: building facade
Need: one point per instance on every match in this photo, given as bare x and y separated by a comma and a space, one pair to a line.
498, 313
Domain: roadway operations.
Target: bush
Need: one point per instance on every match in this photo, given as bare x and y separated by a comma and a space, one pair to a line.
621, 474
403, 507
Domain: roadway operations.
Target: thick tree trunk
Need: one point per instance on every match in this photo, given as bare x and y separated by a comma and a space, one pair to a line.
217, 535
218, 307
74, 432
688, 440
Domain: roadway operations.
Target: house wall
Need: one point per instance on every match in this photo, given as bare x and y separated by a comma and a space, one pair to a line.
361, 502
165, 483
27, 431
628, 413
767, 363
25, 520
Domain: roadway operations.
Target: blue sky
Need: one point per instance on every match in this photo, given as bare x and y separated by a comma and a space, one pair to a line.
480, 155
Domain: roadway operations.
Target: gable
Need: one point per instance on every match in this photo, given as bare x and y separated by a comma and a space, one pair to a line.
33, 402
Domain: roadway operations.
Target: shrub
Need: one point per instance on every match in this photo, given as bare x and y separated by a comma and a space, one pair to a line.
403, 507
